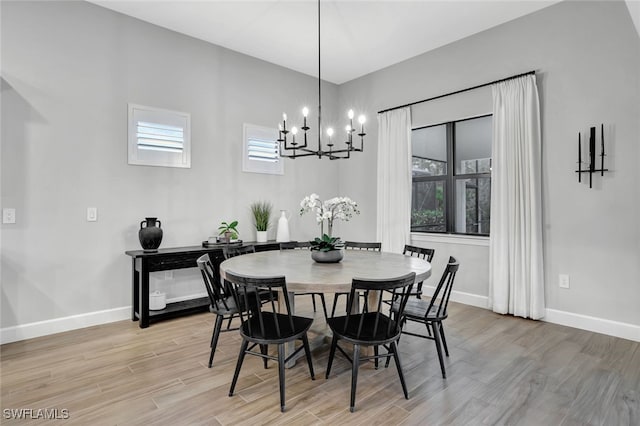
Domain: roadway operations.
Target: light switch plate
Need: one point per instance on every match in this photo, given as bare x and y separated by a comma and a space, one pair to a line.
9, 215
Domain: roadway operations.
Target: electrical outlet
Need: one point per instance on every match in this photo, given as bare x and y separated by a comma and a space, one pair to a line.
8, 215
92, 214
563, 281
168, 275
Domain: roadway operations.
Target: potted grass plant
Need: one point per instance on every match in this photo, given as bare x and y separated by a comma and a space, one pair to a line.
261, 211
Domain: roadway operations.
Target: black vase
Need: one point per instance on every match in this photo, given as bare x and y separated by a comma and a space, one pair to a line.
150, 235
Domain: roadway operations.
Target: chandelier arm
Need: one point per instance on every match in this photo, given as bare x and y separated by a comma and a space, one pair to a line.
306, 154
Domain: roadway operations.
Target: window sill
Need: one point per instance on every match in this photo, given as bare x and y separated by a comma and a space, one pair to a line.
468, 240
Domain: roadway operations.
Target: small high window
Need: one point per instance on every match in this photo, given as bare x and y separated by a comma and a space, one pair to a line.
159, 137
261, 153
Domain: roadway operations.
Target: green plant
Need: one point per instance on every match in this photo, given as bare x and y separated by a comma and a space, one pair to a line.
230, 228
261, 214
326, 243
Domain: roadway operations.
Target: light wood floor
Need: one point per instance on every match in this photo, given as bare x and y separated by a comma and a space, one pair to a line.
502, 370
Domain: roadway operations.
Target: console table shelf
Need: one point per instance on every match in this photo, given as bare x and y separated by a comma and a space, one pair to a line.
164, 259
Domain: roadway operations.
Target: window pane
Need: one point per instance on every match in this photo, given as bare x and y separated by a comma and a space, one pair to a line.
473, 205
473, 145
429, 151
428, 201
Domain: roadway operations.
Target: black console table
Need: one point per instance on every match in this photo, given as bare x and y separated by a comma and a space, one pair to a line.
165, 259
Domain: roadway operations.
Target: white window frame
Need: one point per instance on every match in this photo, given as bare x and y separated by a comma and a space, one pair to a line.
268, 136
181, 157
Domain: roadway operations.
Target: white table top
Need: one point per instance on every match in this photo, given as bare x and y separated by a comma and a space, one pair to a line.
303, 274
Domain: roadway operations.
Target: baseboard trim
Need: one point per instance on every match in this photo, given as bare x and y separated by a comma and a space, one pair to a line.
597, 325
462, 297
59, 325
569, 319
73, 322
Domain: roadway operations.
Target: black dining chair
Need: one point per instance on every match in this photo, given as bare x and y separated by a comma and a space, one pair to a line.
433, 312
305, 245
231, 251
221, 299
354, 245
371, 327
260, 327
421, 253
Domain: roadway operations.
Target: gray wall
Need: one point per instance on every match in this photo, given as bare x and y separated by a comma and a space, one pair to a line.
587, 56
68, 71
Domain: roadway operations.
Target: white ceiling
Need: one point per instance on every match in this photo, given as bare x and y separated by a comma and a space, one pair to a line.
358, 36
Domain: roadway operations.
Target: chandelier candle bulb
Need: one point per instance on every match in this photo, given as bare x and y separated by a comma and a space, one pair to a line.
294, 132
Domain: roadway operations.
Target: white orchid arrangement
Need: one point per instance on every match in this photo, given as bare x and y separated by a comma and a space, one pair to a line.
342, 208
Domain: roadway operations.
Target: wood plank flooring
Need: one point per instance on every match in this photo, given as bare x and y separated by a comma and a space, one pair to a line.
502, 370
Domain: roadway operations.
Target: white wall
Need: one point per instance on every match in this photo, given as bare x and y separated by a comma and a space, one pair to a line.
587, 58
68, 71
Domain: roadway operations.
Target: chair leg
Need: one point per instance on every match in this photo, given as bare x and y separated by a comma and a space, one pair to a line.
214, 337
313, 300
281, 375
375, 353
444, 340
335, 303
402, 323
229, 323
396, 358
324, 305
243, 349
332, 352
354, 376
436, 335
307, 351
264, 349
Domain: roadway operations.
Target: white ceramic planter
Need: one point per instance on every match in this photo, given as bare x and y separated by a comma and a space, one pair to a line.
261, 236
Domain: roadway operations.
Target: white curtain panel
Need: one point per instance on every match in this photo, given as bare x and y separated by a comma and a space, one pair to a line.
516, 280
394, 179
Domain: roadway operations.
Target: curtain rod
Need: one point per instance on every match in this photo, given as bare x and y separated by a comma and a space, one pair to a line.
459, 91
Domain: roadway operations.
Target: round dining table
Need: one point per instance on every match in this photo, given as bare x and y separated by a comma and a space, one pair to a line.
304, 275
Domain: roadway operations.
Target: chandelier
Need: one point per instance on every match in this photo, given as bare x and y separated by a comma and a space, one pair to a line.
294, 149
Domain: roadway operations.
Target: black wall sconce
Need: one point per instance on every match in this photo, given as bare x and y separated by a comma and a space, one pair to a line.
591, 169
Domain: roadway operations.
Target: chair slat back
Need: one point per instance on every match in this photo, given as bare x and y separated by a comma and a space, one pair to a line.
356, 245
419, 252
440, 298
248, 289
218, 294
291, 245
371, 318
230, 252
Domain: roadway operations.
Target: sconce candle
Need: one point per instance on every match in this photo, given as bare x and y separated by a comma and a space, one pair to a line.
592, 155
